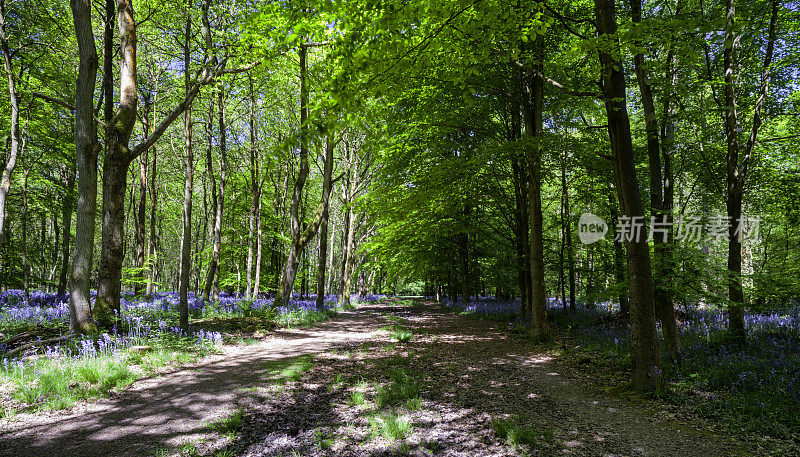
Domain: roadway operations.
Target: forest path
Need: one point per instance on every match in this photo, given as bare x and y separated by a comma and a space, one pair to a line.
169, 410
470, 371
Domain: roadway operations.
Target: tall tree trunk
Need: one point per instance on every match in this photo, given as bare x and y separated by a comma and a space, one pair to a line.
215, 246
327, 185
186, 232
251, 227
645, 356
151, 244
5, 181
259, 233
140, 228
115, 172
619, 257
736, 171
521, 216
347, 276
86, 150
568, 238
533, 106
662, 249
66, 228
345, 232
331, 278
348, 236
293, 258
26, 271
254, 217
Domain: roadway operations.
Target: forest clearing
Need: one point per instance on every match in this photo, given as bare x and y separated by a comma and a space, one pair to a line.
400, 227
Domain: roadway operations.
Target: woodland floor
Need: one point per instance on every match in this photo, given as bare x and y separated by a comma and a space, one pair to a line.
295, 390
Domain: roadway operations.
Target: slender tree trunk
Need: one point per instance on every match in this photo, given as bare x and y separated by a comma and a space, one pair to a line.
142, 254
347, 277
736, 171
345, 232
26, 275
331, 278
645, 356
5, 181
215, 245
257, 281
568, 239
662, 250
186, 232
66, 228
619, 257
151, 245
251, 219
86, 150
293, 258
562, 282
140, 229
327, 185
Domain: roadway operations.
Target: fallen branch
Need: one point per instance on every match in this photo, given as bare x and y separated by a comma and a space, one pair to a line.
15, 352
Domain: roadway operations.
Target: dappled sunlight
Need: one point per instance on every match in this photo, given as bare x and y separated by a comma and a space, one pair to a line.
345, 389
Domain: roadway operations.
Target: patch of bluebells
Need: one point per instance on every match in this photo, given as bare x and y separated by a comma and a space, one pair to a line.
147, 318
486, 306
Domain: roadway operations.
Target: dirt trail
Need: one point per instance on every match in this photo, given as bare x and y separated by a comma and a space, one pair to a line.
170, 410
472, 371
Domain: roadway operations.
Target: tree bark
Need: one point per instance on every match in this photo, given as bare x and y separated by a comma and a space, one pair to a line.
86, 149
662, 247
115, 173
532, 110
151, 244
645, 356
14, 99
254, 217
212, 277
521, 217
141, 210
347, 276
289, 273
66, 228
350, 225
736, 171
619, 257
327, 186
188, 186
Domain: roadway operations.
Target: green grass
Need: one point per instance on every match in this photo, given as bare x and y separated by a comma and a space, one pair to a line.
398, 332
402, 388
323, 439
358, 394
515, 432
356, 398
228, 425
290, 370
61, 381
391, 426
402, 335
